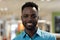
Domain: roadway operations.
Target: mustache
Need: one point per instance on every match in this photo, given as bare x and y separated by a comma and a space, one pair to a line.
30, 22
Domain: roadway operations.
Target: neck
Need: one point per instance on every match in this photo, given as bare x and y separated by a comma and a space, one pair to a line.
31, 32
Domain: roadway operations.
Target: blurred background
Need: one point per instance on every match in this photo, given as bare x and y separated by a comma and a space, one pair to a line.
10, 17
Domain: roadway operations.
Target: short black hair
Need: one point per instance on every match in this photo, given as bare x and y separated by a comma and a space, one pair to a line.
29, 4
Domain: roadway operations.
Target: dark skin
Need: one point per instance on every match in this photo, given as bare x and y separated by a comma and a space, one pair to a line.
29, 19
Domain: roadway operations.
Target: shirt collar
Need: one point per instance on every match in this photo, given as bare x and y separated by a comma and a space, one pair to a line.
23, 34
38, 32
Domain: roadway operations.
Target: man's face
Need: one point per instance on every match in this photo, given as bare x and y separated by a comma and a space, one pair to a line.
29, 17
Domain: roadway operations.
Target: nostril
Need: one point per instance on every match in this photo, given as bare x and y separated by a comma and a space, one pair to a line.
30, 19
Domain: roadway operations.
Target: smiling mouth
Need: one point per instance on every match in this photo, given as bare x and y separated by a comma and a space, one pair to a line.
29, 23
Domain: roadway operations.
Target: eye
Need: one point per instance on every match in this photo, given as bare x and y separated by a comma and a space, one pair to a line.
34, 16
25, 16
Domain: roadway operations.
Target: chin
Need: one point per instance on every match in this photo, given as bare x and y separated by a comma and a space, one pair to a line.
30, 27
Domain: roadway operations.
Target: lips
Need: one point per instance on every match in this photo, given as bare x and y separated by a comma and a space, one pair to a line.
29, 23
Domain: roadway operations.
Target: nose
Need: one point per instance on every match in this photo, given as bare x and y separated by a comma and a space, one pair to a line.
29, 18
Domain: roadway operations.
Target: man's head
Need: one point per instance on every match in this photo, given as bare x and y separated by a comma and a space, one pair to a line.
29, 15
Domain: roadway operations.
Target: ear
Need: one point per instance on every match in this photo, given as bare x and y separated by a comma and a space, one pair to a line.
38, 17
21, 17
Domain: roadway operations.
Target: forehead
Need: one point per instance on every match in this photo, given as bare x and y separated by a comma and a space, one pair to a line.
29, 10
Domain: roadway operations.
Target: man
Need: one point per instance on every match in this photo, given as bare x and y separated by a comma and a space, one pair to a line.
30, 19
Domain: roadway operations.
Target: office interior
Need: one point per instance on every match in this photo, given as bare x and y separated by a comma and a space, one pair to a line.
10, 17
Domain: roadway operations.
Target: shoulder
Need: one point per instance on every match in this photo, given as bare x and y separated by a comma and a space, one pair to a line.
47, 35
19, 37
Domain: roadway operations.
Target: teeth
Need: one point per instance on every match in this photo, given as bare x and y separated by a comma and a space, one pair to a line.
29, 23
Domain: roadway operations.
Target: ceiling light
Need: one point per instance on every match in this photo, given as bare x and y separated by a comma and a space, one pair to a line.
1, 9
42, 0
0, 0
5, 9
48, 0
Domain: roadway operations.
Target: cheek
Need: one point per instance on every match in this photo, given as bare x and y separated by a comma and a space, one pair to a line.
24, 21
36, 19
